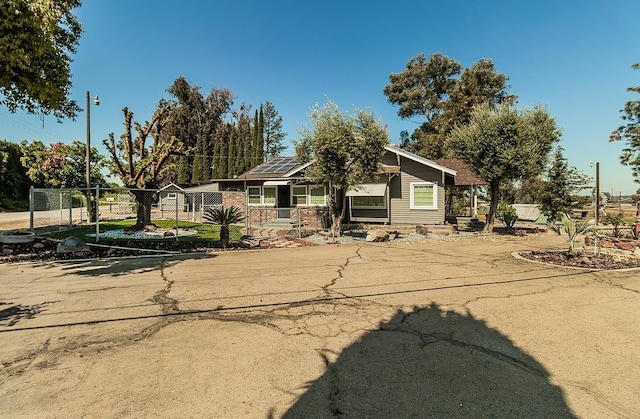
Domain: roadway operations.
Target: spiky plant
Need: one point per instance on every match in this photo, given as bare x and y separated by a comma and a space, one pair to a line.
573, 229
224, 218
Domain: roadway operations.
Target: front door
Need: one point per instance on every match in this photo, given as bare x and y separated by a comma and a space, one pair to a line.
283, 202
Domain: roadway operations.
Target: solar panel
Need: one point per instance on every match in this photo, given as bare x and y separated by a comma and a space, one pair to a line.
280, 165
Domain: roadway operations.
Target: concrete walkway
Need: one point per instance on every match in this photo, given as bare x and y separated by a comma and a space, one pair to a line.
443, 328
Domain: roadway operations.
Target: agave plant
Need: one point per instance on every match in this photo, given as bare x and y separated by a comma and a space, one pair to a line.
573, 229
224, 218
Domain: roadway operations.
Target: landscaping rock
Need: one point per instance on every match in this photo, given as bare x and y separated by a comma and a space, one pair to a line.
422, 230
72, 245
38, 246
249, 242
377, 236
624, 245
169, 234
6, 251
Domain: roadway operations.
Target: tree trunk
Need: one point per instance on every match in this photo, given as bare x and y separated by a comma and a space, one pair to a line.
92, 215
224, 235
337, 213
493, 207
143, 213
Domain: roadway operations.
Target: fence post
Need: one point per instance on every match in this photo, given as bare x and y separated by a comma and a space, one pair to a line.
299, 224
247, 215
183, 196
31, 207
97, 212
70, 193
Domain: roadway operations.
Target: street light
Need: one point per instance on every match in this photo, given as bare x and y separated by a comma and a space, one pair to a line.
90, 209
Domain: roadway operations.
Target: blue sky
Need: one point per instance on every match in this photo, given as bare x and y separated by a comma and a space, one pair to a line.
573, 57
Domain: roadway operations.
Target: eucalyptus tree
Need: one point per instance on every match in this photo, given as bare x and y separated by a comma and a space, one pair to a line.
439, 91
345, 150
503, 143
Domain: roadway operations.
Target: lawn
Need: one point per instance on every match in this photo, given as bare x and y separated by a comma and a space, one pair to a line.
205, 232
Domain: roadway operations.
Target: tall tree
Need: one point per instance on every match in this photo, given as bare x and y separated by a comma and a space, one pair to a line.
631, 132
195, 120
432, 89
272, 130
140, 165
37, 39
344, 149
503, 143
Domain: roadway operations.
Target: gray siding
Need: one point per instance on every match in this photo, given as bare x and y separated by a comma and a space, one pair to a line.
412, 171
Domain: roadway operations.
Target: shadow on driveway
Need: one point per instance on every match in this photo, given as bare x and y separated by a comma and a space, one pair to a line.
432, 363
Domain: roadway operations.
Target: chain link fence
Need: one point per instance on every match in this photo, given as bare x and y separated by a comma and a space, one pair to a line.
67, 208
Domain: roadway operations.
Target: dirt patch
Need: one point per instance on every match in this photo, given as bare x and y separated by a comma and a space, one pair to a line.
582, 260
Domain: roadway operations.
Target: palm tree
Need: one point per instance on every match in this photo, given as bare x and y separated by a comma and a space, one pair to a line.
224, 217
572, 229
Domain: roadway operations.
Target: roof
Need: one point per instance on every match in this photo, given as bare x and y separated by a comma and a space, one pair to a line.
172, 186
465, 176
277, 167
404, 153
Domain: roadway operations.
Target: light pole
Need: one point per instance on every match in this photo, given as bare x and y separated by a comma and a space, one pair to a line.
91, 212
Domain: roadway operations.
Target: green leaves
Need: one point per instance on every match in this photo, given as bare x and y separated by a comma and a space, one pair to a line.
572, 229
36, 40
631, 132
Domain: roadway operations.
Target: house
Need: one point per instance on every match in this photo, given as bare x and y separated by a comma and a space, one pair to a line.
408, 189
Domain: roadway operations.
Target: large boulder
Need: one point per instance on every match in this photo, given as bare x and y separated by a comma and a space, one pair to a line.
377, 236
72, 245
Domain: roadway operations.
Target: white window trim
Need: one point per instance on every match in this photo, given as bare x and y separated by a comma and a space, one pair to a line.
384, 206
172, 195
324, 195
275, 196
307, 195
249, 196
412, 185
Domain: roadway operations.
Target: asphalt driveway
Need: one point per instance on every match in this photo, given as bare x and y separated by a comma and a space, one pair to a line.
443, 328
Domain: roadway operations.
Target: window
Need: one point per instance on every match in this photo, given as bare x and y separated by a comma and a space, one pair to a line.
368, 201
254, 195
172, 195
424, 195
269, 193
299, 195
317, 195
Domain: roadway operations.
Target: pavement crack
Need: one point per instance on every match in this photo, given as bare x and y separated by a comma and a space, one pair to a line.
168, 305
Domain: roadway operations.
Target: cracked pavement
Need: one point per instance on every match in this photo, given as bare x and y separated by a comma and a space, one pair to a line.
445, 328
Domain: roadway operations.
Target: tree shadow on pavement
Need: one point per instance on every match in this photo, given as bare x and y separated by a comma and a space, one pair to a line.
12, 315
124, 266
432, 363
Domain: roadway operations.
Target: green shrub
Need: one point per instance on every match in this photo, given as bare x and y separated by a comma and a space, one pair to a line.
507, 214
616, 221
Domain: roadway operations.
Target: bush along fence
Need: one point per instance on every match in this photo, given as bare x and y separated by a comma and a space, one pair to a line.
68, 208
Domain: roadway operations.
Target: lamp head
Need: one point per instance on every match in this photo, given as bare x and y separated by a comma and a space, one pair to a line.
96, 101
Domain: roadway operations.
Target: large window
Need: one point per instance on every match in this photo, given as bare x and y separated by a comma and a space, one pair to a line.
299, 195
254, 195
424, 195
369, 201
317, 195
269, 193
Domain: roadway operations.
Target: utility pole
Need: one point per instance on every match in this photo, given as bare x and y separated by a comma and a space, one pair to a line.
597, 193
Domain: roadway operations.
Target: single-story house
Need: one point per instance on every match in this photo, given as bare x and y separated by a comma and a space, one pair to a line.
408, 189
